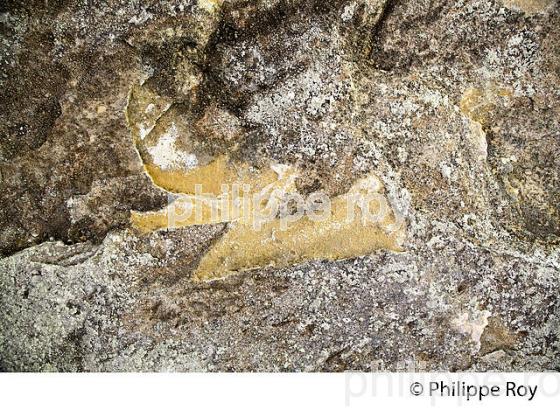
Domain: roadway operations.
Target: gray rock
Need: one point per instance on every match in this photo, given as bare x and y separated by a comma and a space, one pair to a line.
454, 105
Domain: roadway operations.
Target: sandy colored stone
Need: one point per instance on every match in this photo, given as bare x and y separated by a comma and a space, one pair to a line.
108, 110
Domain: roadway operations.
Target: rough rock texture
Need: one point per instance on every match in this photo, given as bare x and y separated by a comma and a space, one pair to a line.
455, 105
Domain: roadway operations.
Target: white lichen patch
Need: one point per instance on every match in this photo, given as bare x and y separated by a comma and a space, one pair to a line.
144, 130
348, 12
435, 98
479, 140
472, 325
166, 155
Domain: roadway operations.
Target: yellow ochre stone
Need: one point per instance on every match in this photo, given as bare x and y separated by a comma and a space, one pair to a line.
529, 6
337, 236
215, 204
210, 5
479, 104
257, 236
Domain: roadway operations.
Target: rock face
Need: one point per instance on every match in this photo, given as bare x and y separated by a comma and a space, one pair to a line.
111, 113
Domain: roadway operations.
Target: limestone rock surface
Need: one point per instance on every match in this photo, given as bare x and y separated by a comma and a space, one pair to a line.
453, 105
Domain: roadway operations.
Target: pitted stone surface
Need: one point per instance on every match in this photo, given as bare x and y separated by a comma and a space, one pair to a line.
454, 105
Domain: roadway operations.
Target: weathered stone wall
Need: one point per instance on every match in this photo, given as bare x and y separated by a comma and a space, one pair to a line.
453, 105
